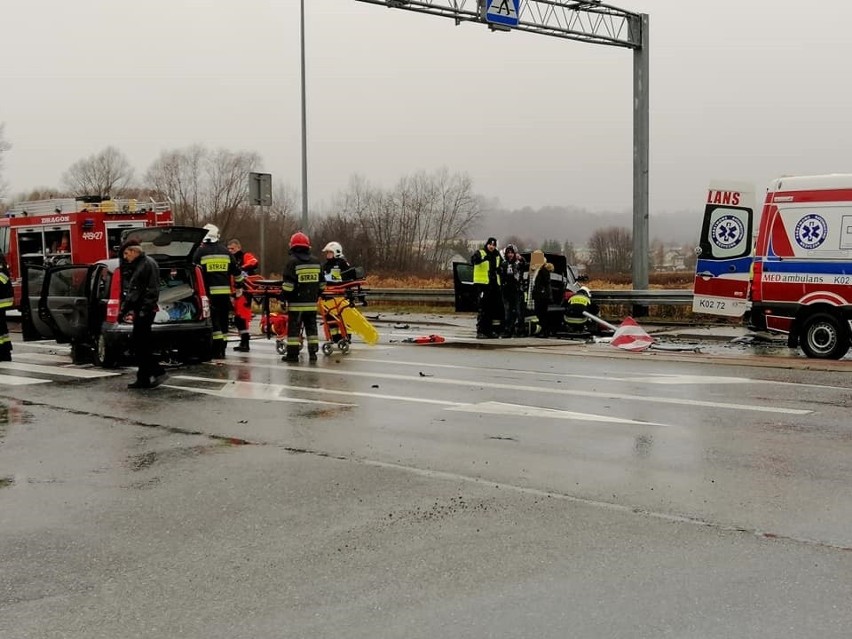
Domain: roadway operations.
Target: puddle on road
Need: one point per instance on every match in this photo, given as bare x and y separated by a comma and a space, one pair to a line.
755, 348
145, 460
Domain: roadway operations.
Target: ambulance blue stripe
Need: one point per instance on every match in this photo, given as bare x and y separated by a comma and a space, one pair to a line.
723, 267
796, 266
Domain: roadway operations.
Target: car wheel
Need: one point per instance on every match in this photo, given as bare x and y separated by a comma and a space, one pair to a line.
824, 337
104, 355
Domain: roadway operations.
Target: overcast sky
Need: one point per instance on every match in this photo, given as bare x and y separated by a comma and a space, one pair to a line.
741, 89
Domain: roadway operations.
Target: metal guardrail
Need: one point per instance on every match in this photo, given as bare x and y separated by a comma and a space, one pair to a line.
656, 297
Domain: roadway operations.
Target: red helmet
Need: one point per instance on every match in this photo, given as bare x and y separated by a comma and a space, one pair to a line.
300, 239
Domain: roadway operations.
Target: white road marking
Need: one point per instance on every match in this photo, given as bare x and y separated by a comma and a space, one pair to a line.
14, 380
652, 378
80, 373
247, 390
519, 410
257, 390
332, 391
49, 345
43, 358
538, 389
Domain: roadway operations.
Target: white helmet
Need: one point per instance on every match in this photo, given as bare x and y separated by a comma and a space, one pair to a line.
585, 291
335, 248
212, 233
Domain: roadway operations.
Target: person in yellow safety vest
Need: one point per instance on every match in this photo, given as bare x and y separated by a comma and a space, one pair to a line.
486, 278
575, 305
218, 266
5, 303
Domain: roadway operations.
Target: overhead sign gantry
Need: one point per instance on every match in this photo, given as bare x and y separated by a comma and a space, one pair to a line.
592, 22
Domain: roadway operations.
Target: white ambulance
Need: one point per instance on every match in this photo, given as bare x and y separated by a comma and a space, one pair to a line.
786, 268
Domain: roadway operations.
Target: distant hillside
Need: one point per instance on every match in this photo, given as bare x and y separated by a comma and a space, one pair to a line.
577, 225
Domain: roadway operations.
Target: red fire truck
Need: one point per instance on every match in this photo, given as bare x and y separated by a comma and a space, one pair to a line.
79, 230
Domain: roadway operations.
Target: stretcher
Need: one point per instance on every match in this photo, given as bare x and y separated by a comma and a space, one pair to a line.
272, 323
340, 318
336, 307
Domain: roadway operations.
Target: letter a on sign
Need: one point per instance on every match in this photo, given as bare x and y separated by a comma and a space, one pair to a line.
503, 12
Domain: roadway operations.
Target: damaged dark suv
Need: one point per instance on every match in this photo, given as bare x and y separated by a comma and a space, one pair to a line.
563, 279
79, 303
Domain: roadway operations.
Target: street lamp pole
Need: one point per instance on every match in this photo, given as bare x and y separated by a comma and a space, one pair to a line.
304, 132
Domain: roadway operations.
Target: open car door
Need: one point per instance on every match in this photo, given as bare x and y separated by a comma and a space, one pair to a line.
467, 300
66, 300
723, 267
33, 327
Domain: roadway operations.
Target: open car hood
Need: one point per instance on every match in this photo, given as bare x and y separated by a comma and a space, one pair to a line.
167, 242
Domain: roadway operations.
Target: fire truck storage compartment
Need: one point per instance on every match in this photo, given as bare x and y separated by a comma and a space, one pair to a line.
38, 243
178, 300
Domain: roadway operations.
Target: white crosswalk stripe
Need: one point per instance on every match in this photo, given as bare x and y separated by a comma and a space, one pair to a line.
43, 368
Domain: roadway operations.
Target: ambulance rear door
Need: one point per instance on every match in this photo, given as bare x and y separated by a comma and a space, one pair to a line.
724, 253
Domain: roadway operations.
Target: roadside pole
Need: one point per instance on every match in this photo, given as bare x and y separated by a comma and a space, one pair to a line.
260, 194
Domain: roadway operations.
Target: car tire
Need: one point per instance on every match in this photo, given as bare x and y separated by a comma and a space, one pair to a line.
103, 354
824, 336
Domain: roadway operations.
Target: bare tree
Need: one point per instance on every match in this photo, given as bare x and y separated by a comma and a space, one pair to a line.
689, 257
178, 176
106, 173
611, 250
205, 186
570, 252
4, 146
658, 255
551, 246
227, 198
279, 225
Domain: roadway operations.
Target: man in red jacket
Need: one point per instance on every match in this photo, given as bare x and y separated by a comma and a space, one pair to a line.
248, 264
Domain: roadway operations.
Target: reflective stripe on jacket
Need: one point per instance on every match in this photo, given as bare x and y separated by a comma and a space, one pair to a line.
218, 266
482, 268
5, 291
303, 282
577, 303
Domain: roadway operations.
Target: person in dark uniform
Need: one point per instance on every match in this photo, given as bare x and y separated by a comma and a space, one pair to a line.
301, 289
218, 267
6, 300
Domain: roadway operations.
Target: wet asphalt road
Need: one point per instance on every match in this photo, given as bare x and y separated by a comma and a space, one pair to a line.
537, 491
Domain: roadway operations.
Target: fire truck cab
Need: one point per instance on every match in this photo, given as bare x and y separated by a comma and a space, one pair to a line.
786, 268
78, 230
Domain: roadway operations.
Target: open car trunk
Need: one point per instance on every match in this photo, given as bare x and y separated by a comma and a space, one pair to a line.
179, 301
